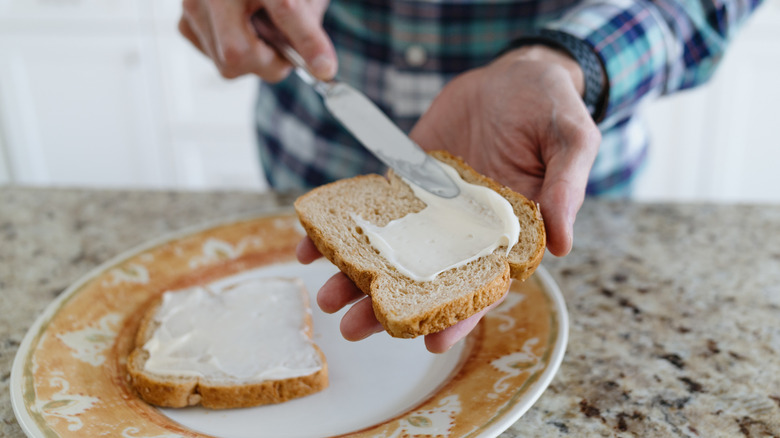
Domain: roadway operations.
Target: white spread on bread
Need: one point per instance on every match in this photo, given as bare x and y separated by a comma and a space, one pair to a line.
249, 330
447, 233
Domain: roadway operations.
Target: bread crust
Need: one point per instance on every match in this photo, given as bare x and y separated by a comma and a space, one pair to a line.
179, 392
433, 318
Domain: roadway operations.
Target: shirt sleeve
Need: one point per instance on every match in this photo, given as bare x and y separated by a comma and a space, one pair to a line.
654, 47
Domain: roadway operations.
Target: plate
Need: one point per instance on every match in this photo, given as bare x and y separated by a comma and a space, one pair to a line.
69, 376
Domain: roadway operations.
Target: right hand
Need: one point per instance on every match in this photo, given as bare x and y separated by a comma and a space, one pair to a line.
222, 31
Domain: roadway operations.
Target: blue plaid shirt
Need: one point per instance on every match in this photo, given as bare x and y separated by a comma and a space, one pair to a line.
401, 53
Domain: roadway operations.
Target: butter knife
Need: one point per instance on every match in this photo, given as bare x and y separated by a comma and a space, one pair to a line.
363, 119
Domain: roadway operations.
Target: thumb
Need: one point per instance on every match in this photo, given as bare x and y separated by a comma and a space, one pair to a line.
565, 180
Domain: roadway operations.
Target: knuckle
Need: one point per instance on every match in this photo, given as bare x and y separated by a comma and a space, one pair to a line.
284, 9
274, 76
310, 42
233, 55
593, 136
183, 26
586, 137
228, 73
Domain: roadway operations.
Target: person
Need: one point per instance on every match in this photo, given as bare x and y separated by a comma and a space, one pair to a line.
540, 95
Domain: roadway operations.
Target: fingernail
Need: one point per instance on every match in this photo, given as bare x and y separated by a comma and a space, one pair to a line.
323, 67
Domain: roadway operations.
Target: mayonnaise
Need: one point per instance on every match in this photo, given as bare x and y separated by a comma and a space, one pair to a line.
250, 330
447, 233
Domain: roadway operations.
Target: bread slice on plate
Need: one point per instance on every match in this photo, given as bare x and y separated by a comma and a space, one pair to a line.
244, 344
405, 307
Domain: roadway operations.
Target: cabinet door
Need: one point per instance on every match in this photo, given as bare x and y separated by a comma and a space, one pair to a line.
210, 119
81, 110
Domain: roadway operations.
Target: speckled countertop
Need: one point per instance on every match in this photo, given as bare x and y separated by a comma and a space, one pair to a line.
674, 308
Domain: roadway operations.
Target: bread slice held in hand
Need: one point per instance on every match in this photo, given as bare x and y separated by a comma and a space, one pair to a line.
407, 308
243, 344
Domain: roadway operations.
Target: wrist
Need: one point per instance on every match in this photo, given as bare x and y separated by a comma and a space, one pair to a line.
590, 75
551, 56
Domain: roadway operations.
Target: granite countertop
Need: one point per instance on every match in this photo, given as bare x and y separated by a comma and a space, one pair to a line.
674, 308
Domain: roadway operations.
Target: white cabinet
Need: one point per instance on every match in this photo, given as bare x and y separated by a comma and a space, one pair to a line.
77, 111
63, 14
106, 93
209, 119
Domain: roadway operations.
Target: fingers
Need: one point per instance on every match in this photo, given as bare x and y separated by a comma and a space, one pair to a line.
337, 292
187, 32
555, 203
196, 27
306, 252
359, 322
302, 25
223, 32
238, 50
442, 341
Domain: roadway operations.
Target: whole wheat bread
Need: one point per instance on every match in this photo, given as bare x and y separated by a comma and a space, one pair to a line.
221, 392
405, 307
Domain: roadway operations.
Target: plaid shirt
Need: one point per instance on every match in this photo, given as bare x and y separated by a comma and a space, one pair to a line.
401, 53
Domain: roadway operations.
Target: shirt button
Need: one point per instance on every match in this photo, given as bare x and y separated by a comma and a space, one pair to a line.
415, 55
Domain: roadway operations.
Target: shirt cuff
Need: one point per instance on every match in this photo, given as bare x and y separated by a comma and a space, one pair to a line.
632, 46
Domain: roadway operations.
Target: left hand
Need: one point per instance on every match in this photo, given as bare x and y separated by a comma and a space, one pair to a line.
359, 322
519, 120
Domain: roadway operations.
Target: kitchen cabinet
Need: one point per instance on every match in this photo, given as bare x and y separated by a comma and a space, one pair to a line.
77, 110
105, 93
209, 119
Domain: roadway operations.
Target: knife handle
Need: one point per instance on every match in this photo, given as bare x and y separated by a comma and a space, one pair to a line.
267, 31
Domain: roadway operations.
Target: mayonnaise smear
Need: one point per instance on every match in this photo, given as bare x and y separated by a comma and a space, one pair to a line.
447, 233
251, 330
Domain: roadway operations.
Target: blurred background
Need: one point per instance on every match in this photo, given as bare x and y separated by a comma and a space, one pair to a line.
105, 93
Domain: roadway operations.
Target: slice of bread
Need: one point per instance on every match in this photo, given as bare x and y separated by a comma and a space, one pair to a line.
405, 307
221, 389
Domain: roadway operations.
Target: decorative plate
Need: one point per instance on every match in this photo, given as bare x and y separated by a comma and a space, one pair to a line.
69, 377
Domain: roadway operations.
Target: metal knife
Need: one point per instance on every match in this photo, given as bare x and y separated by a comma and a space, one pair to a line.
364, 119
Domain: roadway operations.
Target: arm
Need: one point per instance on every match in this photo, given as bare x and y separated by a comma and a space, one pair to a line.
522, 121
654, 47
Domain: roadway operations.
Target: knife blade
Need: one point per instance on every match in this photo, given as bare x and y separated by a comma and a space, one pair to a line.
363, 119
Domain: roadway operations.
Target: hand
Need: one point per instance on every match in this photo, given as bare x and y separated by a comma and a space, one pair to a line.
222, 31
359, 322
521, 120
